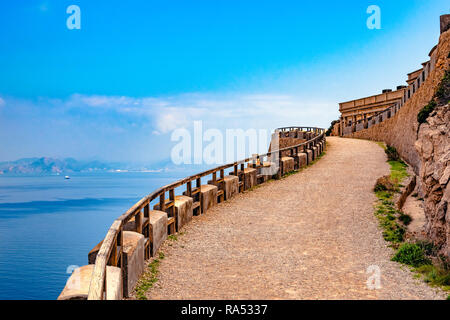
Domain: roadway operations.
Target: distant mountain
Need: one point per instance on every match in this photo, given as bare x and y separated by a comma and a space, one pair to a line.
47, 165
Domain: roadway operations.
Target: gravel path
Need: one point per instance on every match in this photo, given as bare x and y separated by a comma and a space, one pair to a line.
311, 235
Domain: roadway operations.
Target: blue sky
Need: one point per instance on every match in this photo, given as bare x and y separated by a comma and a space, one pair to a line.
115, 89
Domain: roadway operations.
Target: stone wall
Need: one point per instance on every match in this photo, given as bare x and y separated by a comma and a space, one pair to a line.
426, 147
401, 130
433, 146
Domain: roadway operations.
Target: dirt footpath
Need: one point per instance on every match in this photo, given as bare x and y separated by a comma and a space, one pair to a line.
311, 235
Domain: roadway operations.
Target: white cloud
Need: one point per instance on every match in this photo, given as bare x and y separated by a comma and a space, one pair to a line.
217, 110
2, 102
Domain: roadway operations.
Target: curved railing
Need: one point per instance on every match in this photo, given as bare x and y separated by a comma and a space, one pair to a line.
110, 252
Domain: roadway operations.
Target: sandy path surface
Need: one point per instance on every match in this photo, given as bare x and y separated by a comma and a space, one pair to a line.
311, 235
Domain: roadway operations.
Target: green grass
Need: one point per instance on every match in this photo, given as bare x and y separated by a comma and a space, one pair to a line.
253, 188
392, 153
386, 214
381, 144
398, 171
173, 237
392, 221
435, 276
412, 255
290, 173
148, 278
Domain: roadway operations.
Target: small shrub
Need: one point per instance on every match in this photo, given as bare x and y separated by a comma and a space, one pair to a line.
435, 276
425, 111
428, 247
412, 255
406, 219
392, 153
384, 184
443, 89
328, 132
393, 233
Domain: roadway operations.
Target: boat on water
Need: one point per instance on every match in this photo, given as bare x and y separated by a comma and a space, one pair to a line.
67, 177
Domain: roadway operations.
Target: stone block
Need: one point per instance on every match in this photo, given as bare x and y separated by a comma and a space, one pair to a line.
77, 286
315, 152
287, 165
309, 152
268, 170
208, 197
231, 186
183, 211
157, 230
302, 160
133, 260
250, 178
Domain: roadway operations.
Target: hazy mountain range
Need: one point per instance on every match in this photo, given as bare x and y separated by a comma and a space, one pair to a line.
46, 165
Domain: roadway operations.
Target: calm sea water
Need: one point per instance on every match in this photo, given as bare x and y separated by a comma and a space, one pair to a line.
48, 223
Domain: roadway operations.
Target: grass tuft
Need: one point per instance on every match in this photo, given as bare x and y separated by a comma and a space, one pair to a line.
412, 255
392, 153
173, 237
398, 171
148, 278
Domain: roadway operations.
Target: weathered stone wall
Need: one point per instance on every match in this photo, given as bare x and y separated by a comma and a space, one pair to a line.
433, 146
401, 130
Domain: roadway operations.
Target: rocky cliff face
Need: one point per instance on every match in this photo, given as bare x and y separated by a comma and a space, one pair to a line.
433, 147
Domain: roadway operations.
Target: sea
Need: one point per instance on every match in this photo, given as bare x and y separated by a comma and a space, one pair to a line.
48, 224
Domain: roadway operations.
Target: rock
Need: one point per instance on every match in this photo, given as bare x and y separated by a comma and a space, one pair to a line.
433, 147
445, 176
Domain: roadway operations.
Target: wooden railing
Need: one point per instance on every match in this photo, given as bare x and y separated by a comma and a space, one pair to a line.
110, 252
